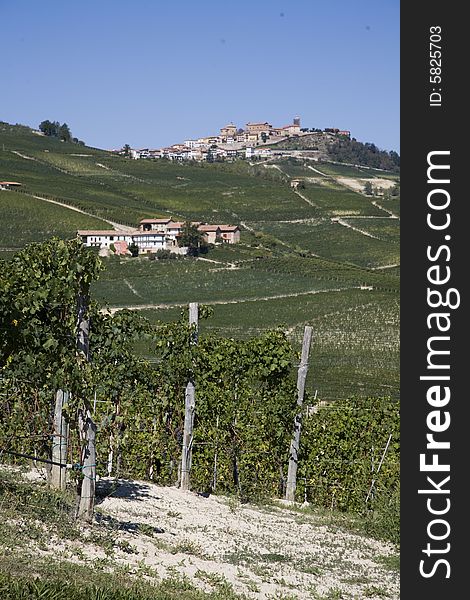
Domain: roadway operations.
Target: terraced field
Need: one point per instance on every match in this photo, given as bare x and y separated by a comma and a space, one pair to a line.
325, 256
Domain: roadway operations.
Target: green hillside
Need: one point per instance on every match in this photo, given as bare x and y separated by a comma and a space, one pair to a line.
26, 219
324, 255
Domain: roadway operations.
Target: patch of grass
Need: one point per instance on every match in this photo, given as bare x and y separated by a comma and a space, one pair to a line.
306, 566
146, 529
391, 562
357, 580
332, 594
373, 590
188, 547
274, 557
218, 582
36, 506
23, 575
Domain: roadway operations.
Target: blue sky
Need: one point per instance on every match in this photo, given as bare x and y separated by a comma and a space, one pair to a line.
155, 72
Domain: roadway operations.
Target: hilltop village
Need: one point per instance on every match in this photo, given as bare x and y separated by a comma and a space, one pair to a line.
256, 140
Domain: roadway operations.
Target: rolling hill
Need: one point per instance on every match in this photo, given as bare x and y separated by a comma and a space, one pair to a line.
324, 254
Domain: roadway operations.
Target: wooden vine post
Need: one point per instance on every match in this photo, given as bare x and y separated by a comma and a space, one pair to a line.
86, 428
189, 407
295, 443
59, 442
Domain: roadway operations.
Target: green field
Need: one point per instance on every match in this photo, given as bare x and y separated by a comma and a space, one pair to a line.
294, 266
334, 241
335, 201
338, 170
26, 219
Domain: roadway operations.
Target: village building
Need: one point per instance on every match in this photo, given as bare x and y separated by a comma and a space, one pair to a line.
156, 234
103, 238
278, 132
252, 137
149, 241
297, 183
192, 144
153, 224
173, 231
263, 152
9, 185
228, 131
291, 129
258, 127
211, 233
229, 234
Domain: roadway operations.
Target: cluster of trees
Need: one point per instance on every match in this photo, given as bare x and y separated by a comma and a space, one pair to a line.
193, 239
393, 192
354, 152
62, 132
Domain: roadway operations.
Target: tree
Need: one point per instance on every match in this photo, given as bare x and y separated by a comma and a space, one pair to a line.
64, 133
368, 191
126, 150
49, 128
55, 129
133, 249
395, 191
191, 238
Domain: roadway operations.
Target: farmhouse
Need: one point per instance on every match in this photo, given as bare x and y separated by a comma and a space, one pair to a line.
173, 231
154, 224
156, 234
148, 241
103, 238
230, 234
9, 185
211, 233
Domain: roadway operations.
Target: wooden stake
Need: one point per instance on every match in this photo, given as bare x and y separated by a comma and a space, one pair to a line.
295, 443
88, 464
59, 442
86, 427
189, 407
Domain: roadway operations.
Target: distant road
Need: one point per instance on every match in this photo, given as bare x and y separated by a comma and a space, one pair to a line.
116, 226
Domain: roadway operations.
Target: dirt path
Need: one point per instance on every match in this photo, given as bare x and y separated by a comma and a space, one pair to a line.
116, 226
23, 155
133, 290
392, 214
344, 224
307, 200
267, 552
113, 309
278, 168
384, 267
219, 262
317, 171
